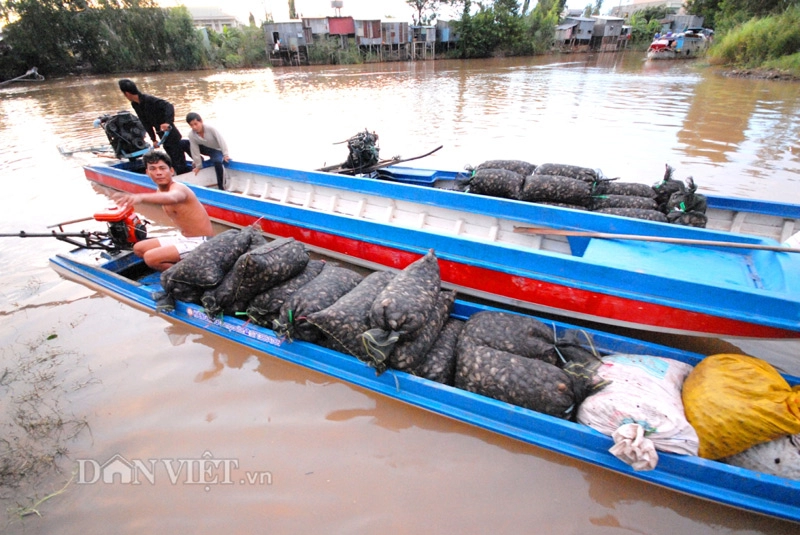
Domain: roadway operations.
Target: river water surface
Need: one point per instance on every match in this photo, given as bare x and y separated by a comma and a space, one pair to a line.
304, 453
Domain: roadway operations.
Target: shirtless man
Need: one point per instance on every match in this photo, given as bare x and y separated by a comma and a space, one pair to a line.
182, 207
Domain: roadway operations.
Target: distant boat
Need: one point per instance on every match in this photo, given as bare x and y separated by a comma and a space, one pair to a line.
31, 76
684, 45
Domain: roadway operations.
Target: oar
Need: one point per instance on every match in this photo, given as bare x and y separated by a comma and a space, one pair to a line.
676, 241
103, 148
70, 222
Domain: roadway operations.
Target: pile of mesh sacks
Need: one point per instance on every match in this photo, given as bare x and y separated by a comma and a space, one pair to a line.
732, 408
582, 188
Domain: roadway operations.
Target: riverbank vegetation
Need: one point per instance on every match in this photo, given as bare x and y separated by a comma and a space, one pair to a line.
757, 38
770, 43
106, 36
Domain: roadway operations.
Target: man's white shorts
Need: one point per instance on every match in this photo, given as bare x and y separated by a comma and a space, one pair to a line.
183, 244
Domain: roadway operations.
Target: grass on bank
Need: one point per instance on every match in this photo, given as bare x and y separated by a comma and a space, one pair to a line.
768, 43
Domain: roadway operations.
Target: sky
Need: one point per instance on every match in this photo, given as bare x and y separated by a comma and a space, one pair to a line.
241, 9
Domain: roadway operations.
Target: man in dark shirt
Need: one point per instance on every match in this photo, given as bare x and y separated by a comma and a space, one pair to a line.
157, 116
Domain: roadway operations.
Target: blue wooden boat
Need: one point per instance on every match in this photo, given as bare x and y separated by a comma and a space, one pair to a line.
732, 280
126, 278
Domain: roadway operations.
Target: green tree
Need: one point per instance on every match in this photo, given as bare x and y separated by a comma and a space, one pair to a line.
644, 26
542, 24
240, 47
511, 27
427, 11
478, 34
66, 36
41, 33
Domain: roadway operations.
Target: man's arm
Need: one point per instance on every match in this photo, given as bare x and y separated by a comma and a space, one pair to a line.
175, 196
194, 149
222, 145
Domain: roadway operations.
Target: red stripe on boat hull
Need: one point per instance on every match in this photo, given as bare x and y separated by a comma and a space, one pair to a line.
543, 294
568, 300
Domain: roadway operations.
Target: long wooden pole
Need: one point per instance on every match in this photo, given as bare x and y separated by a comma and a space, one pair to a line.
659, 239
383, 163
70, 222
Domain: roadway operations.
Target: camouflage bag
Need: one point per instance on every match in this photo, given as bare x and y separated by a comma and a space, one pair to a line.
265, 307
496, 183
572, 171
347, 318
440, 360
325, 289
559, 189
254, 272
403, 306
518, 166
207, 264
410, 352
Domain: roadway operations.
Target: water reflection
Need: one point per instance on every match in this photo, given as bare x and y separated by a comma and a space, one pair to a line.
617, 501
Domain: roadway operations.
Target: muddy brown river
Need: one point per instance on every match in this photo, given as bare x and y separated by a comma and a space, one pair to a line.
135, 407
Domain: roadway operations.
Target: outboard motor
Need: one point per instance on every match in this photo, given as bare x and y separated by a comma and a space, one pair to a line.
125, 132
363, 151
124, 226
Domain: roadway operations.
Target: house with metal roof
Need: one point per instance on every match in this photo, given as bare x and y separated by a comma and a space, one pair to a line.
213, 18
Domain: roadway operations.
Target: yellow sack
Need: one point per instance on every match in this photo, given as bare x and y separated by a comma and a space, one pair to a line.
735, 402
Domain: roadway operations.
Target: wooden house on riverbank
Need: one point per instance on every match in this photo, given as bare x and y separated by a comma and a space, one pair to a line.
291, 43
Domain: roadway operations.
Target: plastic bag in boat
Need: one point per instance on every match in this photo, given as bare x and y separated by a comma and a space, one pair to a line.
643, 391
737, 401
636, 213
513, 333
612, 187
526, 382
600, 202
207, 264
779, 457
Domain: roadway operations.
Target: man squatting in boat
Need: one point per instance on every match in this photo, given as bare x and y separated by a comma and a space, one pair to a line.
181, 206
205, 140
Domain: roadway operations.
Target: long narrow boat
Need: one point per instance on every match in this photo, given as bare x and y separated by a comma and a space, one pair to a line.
126, 278
730, 284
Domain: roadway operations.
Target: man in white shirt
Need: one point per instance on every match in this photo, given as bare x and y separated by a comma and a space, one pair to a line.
206, 140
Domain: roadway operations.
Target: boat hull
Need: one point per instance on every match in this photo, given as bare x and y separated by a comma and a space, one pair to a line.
736, 487
679, 46
568, 285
